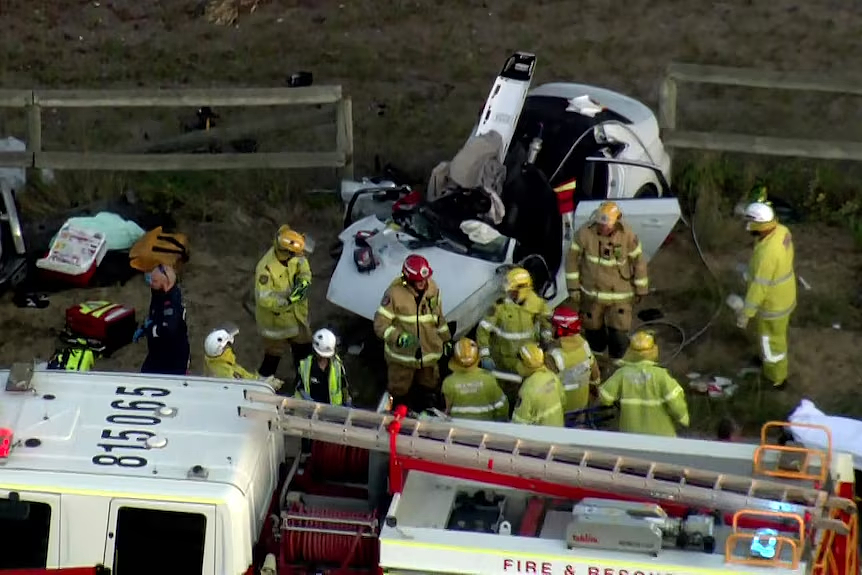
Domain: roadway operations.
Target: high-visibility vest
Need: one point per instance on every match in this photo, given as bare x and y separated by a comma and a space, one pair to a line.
336, 369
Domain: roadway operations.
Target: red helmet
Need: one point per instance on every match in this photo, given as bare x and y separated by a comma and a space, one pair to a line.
566, 321
416, 269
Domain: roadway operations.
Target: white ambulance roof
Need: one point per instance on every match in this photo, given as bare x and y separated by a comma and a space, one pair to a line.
87, 424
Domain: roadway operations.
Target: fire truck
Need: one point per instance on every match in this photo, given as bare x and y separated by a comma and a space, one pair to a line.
131, 473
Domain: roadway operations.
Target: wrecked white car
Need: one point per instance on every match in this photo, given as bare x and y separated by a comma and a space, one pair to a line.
534, 169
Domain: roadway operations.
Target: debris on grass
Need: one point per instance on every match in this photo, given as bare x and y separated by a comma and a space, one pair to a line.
227, 12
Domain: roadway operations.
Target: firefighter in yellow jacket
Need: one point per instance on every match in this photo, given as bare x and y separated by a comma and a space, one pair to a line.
220, 359
414, 332
572, 360
650, 399
541, 397
282, 280
771, 294
520, 318
606, 273
470, 391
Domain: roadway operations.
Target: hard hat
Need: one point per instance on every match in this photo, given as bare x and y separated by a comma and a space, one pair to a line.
323, 343
518, 279
288, 242
217, 341
416, 269
643, 345
608, 214
466, 352
566, 321
759, 217
531, 356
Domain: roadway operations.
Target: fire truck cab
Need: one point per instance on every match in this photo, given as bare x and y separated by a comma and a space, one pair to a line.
139, 473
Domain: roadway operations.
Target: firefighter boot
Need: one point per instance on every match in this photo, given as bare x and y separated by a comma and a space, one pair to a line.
269, 365
618, 343
597, 338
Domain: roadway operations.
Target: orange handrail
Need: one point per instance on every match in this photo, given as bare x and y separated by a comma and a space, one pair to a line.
782, 541
825, 457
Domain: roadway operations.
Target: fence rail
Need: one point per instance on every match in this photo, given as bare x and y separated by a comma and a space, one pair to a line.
37, 100
678, 73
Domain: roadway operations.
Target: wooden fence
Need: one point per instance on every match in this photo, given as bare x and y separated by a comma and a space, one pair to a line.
749, 144
37, 100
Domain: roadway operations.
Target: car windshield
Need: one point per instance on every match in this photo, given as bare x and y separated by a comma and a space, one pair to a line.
431, 229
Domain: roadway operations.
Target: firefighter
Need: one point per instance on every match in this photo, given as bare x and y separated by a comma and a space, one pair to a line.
572, 360
471, 392
220, 359
519, 318
606, 274
541, 397
281, 300
650, 399
322, 377
414, 332
168, 349
771, 294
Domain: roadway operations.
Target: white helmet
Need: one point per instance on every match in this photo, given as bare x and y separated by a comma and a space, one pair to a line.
218, 340
323, 343
759, 216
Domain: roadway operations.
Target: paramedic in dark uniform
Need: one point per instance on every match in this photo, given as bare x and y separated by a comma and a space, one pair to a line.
165, 327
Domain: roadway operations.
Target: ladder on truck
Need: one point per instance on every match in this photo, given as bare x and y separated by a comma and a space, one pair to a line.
451, 445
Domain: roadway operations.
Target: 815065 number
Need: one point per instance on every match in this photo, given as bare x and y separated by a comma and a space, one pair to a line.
129, 439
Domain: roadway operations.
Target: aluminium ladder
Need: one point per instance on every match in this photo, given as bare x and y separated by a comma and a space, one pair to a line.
560, 464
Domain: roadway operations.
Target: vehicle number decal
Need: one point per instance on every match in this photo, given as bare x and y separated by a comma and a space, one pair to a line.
127, 411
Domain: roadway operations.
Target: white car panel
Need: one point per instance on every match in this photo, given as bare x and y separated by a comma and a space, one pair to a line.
458, 276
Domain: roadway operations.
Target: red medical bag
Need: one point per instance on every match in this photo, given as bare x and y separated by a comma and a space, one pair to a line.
111, 324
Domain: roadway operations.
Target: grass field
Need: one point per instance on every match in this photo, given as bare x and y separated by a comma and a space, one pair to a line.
418, 72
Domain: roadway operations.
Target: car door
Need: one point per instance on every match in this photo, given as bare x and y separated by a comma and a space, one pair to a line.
652, 219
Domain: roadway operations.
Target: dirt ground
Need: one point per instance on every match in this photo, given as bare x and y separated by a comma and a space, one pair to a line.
418, 72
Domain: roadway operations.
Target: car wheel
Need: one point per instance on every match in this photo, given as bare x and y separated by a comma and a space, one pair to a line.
647, 191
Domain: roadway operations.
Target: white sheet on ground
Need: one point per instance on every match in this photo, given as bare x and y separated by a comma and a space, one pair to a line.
846, 432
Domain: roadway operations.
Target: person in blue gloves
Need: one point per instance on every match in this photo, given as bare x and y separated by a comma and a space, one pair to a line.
321, 375
165, 328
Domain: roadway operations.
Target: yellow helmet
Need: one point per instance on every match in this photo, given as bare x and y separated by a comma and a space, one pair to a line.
608, 214
519, 280
466, 352
643, 346
288, 243
531, 356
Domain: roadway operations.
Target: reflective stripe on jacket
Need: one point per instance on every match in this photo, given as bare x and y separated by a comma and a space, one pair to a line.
540, 400
336, 370
772, 283
576, 366
276, 316
509, 325
651, 401
607, 268
226, 366
475, 394
400, 312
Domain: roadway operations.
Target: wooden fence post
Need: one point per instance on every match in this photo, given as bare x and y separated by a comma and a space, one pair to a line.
34, 125
667, 104
344, 135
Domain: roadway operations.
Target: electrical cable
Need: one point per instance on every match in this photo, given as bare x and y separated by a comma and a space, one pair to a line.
688, 340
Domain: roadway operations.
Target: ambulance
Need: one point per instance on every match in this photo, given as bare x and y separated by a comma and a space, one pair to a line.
131, 473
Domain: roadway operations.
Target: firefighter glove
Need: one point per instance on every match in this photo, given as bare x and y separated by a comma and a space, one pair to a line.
299, 292
405, 340
448, 347
575, 296
741, 320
